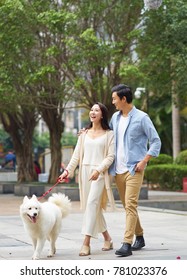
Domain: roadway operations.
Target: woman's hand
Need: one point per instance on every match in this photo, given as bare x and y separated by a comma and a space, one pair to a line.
63, 176
94, 176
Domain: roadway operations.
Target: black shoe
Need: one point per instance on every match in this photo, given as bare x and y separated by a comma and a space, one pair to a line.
138, 244
125, 250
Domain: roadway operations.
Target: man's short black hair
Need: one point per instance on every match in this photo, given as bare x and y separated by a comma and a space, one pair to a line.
123, 90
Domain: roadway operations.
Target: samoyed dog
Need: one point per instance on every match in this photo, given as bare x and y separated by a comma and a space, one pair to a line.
42, 221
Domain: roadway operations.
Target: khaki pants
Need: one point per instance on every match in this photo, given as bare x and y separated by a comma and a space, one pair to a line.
129, 189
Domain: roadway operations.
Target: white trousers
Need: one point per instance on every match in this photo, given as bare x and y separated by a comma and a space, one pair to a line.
93, 221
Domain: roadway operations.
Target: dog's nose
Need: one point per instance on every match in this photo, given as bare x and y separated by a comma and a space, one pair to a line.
35, 214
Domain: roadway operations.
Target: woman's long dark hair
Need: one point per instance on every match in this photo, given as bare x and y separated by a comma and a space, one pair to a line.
104, 120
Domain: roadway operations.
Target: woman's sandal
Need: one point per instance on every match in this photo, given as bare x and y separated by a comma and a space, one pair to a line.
108, 245
85, 251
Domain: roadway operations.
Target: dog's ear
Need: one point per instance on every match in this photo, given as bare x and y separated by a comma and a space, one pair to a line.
25, 198
34, 197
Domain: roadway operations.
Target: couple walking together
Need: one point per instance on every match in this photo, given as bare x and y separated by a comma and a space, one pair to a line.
121, 148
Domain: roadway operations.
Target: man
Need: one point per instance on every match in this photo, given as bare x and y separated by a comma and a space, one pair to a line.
10, 158
133, 132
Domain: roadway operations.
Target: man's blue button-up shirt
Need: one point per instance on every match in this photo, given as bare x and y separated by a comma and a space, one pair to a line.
140, 138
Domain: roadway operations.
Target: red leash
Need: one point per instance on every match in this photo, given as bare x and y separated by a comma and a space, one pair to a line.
58, 181
49, 190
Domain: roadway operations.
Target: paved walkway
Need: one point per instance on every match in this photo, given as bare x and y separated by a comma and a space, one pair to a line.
165, 232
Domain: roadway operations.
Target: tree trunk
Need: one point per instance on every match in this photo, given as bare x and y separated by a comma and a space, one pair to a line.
24, 156
175, 123
21, 126
53, 119
55, 146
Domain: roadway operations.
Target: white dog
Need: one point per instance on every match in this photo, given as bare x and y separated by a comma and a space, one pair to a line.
42, 221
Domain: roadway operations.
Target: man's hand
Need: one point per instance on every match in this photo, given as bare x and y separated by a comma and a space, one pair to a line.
81, 131
140, 166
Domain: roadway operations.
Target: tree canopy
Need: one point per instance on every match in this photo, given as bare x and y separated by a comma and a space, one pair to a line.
56, 51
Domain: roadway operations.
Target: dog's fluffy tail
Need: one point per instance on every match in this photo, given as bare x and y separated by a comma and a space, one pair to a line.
62, 201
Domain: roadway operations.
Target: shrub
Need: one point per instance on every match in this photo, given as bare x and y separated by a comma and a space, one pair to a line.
181, 158
161, 159
166, 176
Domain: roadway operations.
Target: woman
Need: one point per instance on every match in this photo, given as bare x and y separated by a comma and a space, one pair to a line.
94, 153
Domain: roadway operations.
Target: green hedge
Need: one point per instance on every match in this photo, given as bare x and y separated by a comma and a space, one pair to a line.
181, 158
161, 159
166, 176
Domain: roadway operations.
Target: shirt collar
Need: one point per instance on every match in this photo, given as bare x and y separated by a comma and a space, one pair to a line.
132, 111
